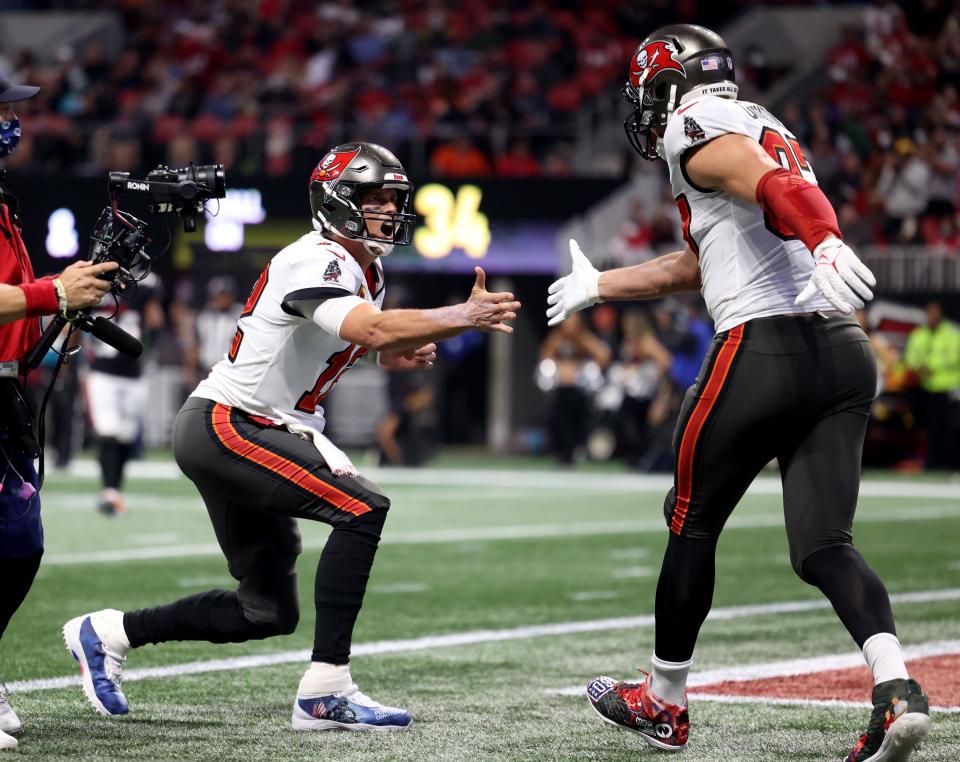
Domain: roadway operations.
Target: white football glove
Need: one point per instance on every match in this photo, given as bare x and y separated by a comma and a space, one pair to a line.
573, 292
840, 276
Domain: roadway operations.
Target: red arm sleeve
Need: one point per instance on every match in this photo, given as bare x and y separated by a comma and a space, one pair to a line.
797, 206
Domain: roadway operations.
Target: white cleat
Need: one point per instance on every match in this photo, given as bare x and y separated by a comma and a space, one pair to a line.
9, 722
348, 710
7, 742
101, 662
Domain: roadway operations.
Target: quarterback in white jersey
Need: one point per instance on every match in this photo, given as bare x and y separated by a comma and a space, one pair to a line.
790, 377
282, 365
251, 439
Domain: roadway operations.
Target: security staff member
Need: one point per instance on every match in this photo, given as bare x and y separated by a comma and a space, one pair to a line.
23, 299
933, 354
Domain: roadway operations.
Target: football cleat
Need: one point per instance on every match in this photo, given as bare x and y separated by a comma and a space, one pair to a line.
9, 722
899, 723
7, 742
111, 503
634, 706
348, 710
100, 667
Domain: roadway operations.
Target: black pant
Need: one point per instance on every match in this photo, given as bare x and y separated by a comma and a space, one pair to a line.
17, 575
797, 389
255, 480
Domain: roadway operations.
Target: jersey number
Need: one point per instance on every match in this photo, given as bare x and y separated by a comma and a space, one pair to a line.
786, 151
248, 308
337, 364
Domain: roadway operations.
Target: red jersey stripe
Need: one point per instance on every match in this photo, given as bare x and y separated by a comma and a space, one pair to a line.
688, 443
283, 467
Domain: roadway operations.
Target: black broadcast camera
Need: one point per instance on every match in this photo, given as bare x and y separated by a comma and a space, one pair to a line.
122, 238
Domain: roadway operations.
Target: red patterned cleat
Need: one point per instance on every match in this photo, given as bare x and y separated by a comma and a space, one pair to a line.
899, 723
634, 706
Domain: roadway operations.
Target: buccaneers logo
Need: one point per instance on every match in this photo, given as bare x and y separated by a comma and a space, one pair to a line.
652, 59
332, 165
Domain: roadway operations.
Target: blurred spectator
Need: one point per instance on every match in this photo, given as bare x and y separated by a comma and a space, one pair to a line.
944, 158
633, 242
459, 158
902, 190
933, 354
405, 435
574, 358
519, 161
214, 329
645, 363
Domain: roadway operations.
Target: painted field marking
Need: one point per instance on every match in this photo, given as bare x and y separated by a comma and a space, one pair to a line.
633, 572
217, 580
629, 554
728, 699
476, 637
594, 595
793, 667
518, 532
538, 479
399, 587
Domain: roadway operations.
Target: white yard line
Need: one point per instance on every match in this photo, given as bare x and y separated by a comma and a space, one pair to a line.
503, 532
476, 637
792, 668
551, 480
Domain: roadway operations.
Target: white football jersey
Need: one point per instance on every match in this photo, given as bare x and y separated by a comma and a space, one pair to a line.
748, 268
281, 365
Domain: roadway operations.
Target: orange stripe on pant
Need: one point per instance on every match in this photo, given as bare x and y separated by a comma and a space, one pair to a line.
691, 434
283, 467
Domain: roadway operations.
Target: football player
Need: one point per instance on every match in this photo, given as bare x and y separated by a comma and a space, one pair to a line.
116, 390
251, 439
790, 376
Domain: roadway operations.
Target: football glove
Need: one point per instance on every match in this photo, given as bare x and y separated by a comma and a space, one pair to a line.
840, 276
573, 292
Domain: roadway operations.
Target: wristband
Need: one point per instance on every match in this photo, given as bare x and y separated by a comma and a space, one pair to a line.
61, 294
41, 298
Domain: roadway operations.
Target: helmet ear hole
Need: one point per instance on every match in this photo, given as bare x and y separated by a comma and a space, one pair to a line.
660, 91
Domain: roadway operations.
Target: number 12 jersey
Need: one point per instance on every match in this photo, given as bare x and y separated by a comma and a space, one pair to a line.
281, 365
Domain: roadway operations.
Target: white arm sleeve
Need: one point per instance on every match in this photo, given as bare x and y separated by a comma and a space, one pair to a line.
329, 314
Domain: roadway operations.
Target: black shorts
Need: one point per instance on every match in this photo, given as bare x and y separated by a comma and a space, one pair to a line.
797, 389
256, 480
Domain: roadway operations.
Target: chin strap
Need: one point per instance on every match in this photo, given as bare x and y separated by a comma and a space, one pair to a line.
378, 249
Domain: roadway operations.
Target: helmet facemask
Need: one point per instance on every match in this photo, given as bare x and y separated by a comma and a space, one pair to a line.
336, 190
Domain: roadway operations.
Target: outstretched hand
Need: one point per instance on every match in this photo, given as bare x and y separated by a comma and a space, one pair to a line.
573, 292
420, 358
490, 311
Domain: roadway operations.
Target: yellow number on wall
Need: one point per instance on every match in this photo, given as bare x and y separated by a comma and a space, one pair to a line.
451, 222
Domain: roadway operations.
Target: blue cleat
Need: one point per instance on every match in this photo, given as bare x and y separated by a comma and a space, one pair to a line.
100, 667
348, 710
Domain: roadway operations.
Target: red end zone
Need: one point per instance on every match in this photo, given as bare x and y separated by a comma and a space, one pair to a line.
939, 676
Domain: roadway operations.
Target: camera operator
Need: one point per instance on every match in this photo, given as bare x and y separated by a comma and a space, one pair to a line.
22, 301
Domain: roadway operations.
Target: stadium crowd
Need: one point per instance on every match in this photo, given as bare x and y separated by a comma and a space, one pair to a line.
479, 89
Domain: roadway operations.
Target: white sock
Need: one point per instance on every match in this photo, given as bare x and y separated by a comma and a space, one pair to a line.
884, 657
668, 679
108, 625
322, 679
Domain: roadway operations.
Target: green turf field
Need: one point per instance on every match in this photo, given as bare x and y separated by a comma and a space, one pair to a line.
496, 593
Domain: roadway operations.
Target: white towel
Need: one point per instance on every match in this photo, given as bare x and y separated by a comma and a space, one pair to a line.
335, 458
